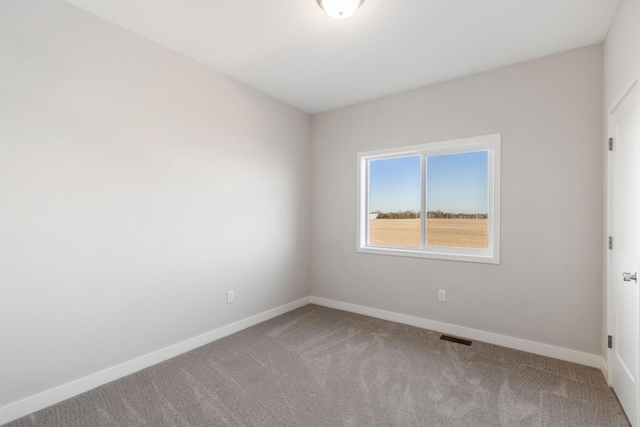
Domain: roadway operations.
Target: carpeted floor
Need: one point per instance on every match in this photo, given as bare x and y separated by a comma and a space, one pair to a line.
317, 366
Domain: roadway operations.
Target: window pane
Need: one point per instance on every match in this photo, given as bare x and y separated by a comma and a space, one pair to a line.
457, 200
394, 202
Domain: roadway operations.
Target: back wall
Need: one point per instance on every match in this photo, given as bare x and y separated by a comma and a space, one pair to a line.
548, 286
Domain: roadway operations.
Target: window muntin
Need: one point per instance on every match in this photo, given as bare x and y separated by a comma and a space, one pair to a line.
454, 215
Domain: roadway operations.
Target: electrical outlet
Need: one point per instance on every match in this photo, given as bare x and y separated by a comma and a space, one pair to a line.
229, 297
442, 295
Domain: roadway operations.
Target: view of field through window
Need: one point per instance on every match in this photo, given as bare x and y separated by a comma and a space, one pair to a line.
456, 201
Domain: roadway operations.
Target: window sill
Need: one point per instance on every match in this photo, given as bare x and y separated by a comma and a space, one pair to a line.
466, 255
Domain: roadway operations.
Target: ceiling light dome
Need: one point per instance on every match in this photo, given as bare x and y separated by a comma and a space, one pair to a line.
340, 9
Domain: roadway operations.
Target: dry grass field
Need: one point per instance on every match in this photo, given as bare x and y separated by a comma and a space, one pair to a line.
454, 232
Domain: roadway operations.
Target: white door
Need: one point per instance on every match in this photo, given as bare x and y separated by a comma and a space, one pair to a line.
625, 256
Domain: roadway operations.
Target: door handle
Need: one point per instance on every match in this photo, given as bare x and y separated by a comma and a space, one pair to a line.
627, 277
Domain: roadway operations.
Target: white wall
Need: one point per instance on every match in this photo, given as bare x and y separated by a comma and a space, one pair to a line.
622, 48
137, 187
621, 61
547, 288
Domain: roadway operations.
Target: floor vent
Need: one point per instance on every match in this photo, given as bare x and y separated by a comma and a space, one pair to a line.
456, 340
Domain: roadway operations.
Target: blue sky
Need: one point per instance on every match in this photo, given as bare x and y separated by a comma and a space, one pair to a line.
455, 183
394, 184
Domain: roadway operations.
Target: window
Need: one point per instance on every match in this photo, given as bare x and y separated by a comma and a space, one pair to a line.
438, 200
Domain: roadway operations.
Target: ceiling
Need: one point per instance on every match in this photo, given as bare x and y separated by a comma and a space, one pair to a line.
293, 51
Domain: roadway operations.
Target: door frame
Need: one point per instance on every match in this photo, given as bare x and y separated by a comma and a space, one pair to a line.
610, 133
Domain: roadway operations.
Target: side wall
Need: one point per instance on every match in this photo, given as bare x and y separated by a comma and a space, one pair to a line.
622, 49
621, 61
547, 288
137, 188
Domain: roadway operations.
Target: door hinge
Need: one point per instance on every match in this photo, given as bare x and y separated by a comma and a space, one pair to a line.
610, 144
610, 341
610, 242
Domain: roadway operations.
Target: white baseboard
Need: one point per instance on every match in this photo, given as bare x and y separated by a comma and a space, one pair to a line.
593, 360
52, 396
604, 367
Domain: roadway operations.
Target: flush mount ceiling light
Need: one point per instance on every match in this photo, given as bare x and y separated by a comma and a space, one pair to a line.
340, 9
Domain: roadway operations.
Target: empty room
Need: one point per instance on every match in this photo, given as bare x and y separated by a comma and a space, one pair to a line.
319, 213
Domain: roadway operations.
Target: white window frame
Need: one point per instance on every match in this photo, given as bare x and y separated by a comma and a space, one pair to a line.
489, 143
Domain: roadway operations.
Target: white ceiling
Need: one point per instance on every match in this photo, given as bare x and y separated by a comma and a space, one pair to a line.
291, 50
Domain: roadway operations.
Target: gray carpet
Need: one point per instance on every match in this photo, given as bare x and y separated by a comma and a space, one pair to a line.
317, 366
